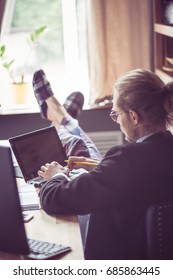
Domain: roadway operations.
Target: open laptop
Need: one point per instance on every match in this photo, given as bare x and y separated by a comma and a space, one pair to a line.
37, 148
12, 234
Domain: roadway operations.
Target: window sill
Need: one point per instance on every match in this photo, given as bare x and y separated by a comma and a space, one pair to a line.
24, 109
18, 110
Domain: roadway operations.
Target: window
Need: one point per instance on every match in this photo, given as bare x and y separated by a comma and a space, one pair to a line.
61, 52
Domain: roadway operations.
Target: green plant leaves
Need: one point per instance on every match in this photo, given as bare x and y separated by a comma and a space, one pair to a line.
8, 64
2, 50
36, 33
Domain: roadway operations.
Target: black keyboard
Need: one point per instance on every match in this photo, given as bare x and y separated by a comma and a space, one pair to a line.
45, 250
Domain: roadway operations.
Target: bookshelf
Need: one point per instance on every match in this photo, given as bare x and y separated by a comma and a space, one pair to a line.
163, 42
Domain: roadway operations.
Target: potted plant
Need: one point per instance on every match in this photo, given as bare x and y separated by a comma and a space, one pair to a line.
18, 81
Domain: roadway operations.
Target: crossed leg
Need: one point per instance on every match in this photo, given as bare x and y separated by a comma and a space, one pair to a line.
64, 117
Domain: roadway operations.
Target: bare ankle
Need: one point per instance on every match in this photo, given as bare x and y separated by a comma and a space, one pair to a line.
55, 112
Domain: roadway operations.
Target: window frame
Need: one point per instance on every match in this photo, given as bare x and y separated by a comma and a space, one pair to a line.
69, 14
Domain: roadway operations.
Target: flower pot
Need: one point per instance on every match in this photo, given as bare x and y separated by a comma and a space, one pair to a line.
19, 92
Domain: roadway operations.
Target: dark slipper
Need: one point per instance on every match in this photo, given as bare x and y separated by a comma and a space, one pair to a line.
74, 104
42, 91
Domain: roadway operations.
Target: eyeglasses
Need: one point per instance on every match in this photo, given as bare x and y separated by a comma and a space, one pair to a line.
114, 115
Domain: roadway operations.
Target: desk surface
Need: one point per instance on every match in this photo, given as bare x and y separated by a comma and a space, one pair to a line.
61, 229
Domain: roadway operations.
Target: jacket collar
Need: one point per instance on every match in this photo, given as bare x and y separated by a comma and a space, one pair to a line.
159, 137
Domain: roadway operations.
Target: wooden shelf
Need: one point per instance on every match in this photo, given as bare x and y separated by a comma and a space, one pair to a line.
163, 43
163, 29
163, 75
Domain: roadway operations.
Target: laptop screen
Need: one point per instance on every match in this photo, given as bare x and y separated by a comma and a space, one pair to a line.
37, 148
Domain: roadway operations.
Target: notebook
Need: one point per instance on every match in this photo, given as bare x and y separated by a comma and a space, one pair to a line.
37, 148
13, 237
28, 196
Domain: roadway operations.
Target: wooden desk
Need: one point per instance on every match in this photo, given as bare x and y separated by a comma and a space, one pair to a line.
63, 230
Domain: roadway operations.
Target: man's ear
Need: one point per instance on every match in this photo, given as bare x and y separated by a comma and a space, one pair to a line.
134, 117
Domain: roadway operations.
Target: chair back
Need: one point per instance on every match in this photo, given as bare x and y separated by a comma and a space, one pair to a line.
159, 225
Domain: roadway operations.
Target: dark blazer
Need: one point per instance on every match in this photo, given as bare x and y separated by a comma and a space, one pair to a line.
116, 193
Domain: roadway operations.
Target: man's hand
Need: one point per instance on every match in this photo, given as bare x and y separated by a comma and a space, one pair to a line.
48, 170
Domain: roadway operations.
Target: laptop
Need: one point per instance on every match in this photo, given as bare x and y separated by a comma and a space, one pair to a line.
13, 237
37, 148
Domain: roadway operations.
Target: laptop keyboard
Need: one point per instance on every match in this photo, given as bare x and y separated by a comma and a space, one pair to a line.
45, 250
37, 180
